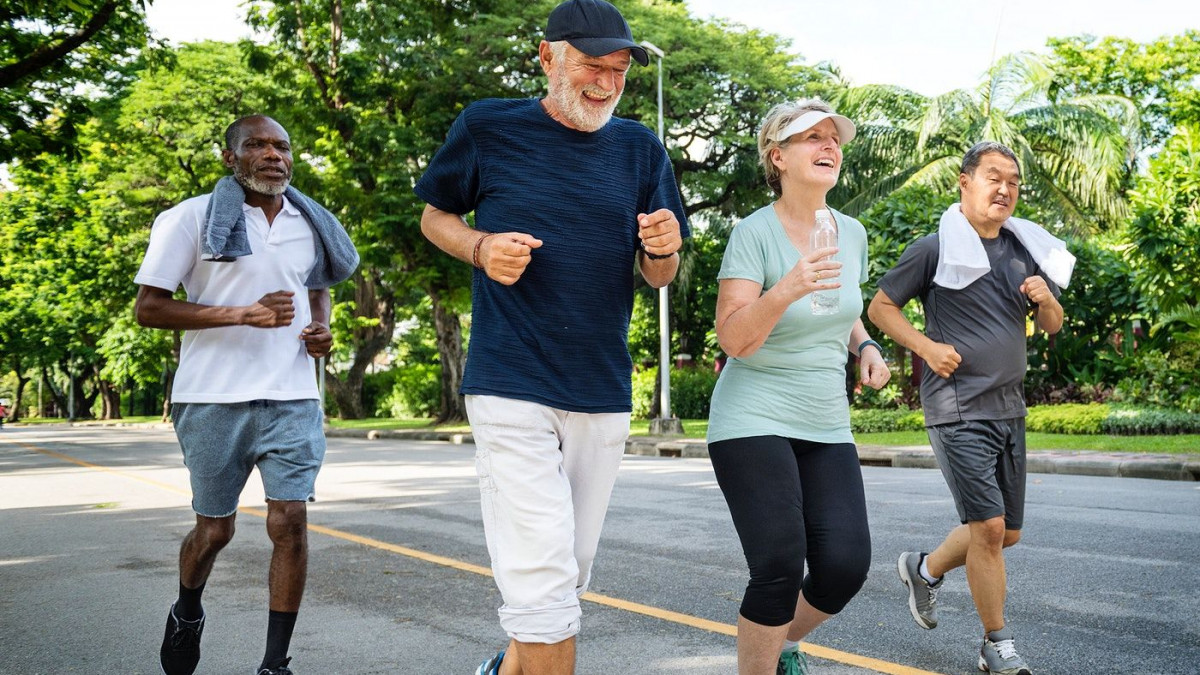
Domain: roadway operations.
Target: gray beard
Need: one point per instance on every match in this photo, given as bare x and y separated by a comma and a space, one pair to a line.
569, 105
254, 185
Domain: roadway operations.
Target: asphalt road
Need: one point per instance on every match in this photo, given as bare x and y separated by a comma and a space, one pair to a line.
1105, 580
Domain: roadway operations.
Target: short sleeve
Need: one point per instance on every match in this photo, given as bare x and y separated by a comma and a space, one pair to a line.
451, 183
914, 272
744, 256
171, 252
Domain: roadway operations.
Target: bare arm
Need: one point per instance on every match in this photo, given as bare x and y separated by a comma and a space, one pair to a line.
746, 315
1049, 313
503, 256
885, 314
872, 368
155, 308
318, 340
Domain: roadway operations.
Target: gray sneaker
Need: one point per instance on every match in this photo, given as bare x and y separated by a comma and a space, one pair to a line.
999, 655
922, 596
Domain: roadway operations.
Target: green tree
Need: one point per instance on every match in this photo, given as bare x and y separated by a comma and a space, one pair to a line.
1158, 76
390, 77
54, 56
1073, 150
1164, 233
67, 259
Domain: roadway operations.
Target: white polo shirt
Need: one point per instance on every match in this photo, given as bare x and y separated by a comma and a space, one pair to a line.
237, 363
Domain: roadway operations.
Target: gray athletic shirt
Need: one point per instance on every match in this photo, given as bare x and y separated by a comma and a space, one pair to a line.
985, 322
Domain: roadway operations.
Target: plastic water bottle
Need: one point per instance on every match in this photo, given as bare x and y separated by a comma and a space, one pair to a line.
824, 235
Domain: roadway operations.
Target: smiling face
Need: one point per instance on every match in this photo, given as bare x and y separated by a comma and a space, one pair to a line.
584, 90
990, 192
261, 156
811, 158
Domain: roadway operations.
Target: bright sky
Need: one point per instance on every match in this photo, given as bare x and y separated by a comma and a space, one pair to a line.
931, 46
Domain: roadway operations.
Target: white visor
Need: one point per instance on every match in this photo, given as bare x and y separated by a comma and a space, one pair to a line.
810, 119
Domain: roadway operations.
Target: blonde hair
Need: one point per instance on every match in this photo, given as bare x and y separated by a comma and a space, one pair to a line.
777, 118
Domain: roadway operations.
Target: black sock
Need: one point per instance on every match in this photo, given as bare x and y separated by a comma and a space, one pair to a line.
187, 607
279, 636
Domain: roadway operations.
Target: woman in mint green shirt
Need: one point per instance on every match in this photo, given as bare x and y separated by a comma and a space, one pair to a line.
779, 427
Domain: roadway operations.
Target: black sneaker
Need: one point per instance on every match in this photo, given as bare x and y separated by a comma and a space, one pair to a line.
181, 645
278, 668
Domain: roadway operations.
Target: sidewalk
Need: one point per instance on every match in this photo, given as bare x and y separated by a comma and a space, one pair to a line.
1077, 462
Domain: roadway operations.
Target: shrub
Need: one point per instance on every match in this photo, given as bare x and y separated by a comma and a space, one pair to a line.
691, 392
873, 420
1068, 418
643, 392
1134, 421
377, 388
1163, 380
416, 392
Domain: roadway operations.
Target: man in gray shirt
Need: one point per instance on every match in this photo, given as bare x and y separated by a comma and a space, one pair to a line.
971, 389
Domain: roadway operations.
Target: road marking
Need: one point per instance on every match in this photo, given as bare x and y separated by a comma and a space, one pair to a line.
818, 651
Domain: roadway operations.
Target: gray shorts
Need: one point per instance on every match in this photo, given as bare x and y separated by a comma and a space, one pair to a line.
223, 442
984, 465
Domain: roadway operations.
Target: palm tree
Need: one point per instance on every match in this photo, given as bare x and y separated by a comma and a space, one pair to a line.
1074, 152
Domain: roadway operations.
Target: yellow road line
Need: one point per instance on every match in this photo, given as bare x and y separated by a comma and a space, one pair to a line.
818, 651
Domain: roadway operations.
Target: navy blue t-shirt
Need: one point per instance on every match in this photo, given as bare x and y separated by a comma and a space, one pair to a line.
558, 336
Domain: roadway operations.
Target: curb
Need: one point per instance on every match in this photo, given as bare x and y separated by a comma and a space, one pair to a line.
1074, 462
1067, 462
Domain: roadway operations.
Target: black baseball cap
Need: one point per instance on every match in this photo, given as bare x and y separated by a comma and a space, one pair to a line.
594, 27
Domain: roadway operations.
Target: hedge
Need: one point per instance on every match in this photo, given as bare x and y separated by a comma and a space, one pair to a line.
872, 420
1067, 418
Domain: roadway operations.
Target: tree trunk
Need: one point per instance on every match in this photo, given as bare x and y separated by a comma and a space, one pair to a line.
84, 401
110, 397
372, 300
14, 415
56, 395
448, 326
656, 399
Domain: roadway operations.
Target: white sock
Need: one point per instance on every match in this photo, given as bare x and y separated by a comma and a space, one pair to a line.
790, 646
925, 572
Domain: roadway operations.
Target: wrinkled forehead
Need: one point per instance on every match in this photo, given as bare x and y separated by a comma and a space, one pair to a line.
261, 128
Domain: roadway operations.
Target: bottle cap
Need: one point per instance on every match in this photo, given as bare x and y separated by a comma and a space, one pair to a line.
824, 213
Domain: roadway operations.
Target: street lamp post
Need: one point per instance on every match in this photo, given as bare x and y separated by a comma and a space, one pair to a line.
665, 424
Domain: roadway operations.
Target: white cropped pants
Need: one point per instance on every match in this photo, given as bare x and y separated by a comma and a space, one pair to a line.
545, 478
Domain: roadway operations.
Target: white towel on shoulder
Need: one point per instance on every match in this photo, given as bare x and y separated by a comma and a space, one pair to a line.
962, 260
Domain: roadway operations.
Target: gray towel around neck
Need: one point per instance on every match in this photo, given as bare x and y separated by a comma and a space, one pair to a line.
225, 233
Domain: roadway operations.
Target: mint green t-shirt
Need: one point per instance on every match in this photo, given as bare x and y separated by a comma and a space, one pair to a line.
794, 385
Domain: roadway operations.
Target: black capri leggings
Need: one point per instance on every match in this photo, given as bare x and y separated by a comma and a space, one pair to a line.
794, 501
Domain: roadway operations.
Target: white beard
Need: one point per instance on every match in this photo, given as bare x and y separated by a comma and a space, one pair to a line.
570, 104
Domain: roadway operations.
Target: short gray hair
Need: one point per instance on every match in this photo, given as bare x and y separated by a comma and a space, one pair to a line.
777, 118
975, 155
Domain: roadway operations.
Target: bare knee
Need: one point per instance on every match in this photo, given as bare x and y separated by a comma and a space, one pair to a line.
213, 534
1011, 537
287, 523
988, 533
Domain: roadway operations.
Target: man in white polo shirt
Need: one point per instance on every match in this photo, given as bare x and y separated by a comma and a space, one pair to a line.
245, 394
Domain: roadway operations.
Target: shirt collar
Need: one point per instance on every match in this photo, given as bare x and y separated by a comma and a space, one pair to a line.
288, 207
